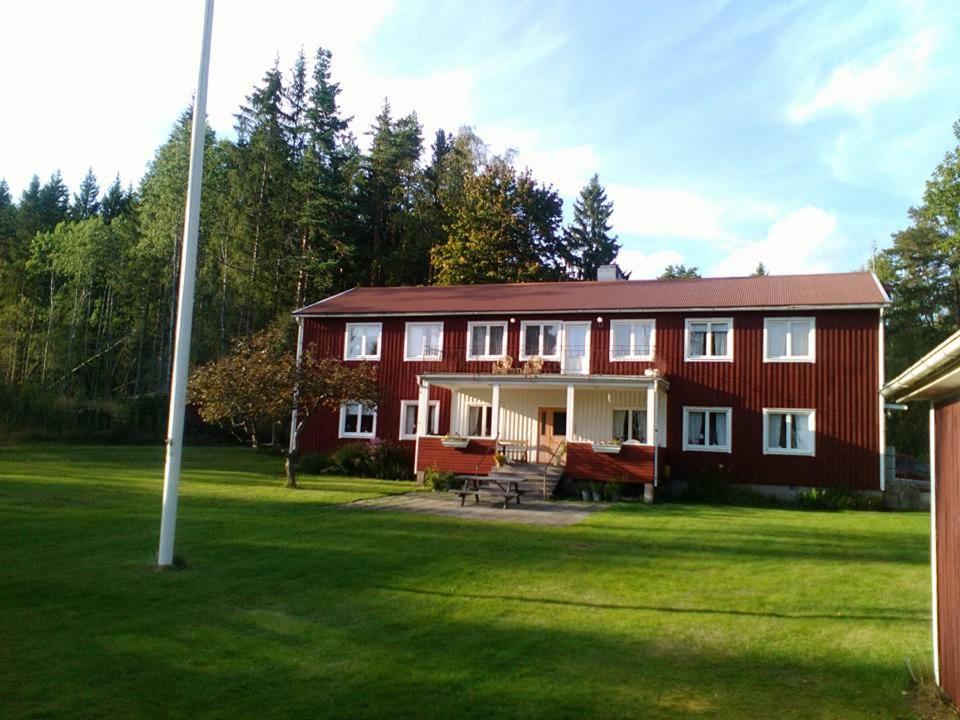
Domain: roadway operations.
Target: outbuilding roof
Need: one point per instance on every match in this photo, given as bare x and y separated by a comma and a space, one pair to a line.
935, 375
853, 289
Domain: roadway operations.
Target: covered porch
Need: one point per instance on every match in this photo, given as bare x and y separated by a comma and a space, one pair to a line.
597, 427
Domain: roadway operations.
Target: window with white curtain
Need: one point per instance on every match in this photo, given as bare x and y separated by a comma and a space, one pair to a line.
362, 341
486, 341
630, 424
706, 429
538, 338
788, 432
357, 421
479, 421
424, 341
789, 339
631, 339
708, 339
409, 409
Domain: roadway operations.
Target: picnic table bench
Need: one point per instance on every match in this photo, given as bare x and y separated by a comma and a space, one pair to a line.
508, 489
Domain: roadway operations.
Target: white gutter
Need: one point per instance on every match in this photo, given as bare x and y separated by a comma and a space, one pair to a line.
905, 385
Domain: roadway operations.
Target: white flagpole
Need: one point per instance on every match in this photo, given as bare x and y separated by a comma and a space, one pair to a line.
188, 276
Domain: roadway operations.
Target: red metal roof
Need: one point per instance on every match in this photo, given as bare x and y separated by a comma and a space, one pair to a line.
771, 291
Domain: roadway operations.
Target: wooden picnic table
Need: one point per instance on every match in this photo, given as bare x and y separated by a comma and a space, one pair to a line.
507, 488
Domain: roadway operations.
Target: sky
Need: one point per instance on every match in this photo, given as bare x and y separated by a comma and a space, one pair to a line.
727, 133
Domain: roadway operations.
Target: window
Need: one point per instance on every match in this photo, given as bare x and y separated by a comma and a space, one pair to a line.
409, 410
479, 421
539, 339
632, 339
486, 341
630, 424
788, 432
423, 341
357, 421
709, 339
706, 429
362, 341
789, 339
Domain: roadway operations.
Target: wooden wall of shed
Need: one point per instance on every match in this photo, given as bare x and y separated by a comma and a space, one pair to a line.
947, 478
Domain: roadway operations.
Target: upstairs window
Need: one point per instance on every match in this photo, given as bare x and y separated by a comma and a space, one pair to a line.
709, 339
630, 424
541, 339
486, 341
631, 339
409, 409
362, 341
479, 421
789, 339
357, 421
788, 432
424, 341
706, 429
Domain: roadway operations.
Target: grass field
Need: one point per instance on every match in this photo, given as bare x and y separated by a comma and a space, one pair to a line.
295, 607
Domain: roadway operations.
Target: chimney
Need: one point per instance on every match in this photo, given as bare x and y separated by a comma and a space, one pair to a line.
610, 272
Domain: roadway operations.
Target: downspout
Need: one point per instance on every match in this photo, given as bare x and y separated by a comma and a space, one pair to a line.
882, 417
296, 389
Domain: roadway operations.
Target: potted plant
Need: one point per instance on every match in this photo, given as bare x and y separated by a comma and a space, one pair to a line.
596, 490
454, 441
499, 459
608, 446
584, 489
614, 491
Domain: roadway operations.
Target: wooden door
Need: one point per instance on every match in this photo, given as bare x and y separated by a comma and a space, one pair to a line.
552, 430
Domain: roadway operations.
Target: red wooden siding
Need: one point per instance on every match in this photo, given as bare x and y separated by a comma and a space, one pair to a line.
633, 464
947, 477
841, 386
477, 457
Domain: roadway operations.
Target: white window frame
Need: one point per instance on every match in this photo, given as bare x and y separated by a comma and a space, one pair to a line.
728, 448
361, 356
632, 356
422, 358
811, 413
632, 441
523, 335
433, 427
708, 358
811, 355
487, 355
486, 415
343, 433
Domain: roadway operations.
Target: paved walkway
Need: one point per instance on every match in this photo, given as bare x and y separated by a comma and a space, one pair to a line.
529, 512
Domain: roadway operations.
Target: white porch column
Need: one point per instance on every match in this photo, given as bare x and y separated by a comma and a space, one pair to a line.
495, 410
652, 414
570, 398
423, 410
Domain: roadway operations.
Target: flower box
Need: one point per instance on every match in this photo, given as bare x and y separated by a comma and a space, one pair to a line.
455, 442
609, 448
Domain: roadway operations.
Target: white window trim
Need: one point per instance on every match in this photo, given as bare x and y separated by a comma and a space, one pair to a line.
433, 427
524, 324
632, 357
343, 417
632, 408
767, 450
471, 326
728, 448
488, 411
422, 358
810, 357
708, 358
346, 341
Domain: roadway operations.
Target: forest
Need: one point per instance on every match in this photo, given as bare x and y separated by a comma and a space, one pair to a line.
296, 208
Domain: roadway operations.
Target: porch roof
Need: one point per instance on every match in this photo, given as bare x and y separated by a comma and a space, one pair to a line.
544, 380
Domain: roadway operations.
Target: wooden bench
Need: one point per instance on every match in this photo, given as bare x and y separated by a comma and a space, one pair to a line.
476, 484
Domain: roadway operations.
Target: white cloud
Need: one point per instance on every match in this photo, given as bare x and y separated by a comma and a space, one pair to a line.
855, 87
806, 240
665, 212
643, 266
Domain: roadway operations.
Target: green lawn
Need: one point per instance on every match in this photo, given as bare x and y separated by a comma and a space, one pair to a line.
295, 607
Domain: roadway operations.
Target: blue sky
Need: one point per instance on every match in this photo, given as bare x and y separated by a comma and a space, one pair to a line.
727, 133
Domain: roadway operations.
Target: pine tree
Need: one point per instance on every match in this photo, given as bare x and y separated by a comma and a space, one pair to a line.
54, 202
116, 201
760, 271
85, 202
588, 241
679, 272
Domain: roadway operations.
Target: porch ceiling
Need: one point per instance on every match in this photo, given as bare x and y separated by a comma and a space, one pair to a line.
453, 381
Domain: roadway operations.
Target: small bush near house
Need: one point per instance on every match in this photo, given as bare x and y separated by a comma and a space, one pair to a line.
438, 480
836, 499
613, 491
316, 464
716, 486
376, 459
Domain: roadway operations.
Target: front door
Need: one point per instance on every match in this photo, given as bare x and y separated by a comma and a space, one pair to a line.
576, 349
552, 431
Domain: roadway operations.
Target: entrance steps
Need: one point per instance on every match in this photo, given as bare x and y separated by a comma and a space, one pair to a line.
530, 476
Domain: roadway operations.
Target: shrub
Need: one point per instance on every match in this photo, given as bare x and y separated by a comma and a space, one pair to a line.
716, 486
376, 459
438, 480
353, 459
613, 491
316, 464
833, 498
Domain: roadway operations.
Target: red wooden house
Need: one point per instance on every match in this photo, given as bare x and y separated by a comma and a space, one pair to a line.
775, 378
